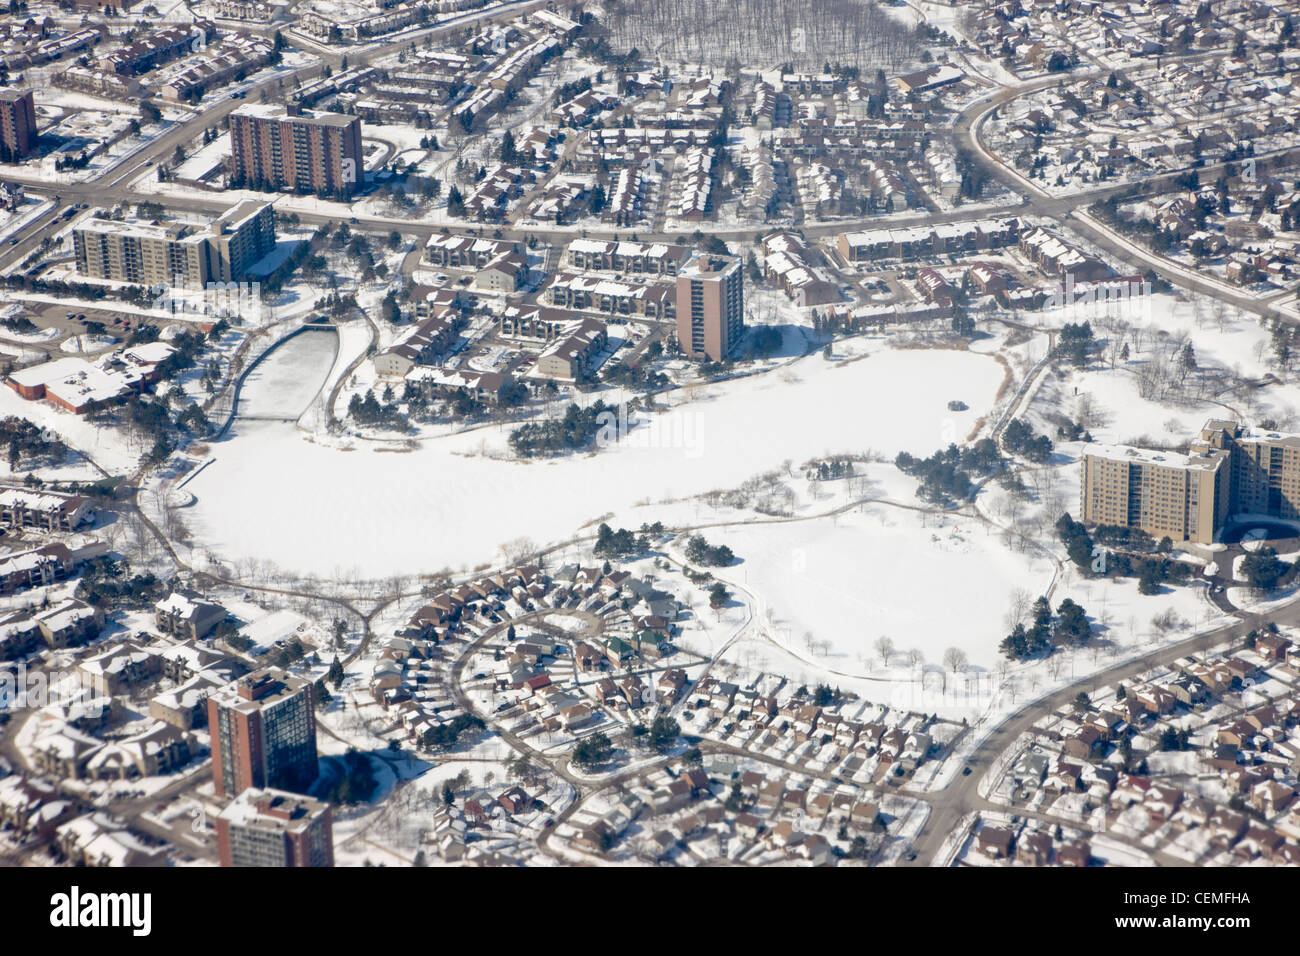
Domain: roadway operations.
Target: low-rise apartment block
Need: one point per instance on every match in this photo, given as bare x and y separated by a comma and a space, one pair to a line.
187, 616
45, 511
628, 258
574, 352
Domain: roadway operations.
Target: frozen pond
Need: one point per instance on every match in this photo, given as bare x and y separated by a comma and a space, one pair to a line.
284, 383
378, 509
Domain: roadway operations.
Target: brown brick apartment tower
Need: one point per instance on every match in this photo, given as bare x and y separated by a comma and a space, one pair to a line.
710, 305
17, 125
278, 147
263, 733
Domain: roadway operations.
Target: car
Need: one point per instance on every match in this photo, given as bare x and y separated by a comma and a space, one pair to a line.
965, 771
353, 220
14, 241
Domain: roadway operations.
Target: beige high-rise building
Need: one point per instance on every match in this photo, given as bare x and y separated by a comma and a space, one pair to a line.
1229, 470
1265, 473
1184, 497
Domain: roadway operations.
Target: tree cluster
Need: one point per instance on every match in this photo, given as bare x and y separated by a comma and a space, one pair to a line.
356, 784
574, 431
946, 475
107, 582
1020, 439
369, 410
1070, 627
444, 736
26, 441
699, 551
1263, 569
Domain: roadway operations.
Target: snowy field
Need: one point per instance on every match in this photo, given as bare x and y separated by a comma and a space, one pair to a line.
927, 582
371, 509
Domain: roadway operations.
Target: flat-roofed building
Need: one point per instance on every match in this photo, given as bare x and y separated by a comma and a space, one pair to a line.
1229, 470
279, 147
146, 253
710, 306
17, 125
1265, 467
263, 827
1183, 497
263, 733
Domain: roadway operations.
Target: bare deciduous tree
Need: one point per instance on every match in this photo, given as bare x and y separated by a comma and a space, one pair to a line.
885, 648
955, 659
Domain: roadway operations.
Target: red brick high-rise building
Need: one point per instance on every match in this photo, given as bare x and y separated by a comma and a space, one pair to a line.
17, 125
275, 828
710, 305
263, 731
277, 147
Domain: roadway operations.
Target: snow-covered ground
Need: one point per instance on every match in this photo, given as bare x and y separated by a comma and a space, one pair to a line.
311, 505
927, 582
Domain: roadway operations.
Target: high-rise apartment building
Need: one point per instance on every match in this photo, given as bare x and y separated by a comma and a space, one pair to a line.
263, 733
1228, 470
710, 305
263, 827
17, 125
151, 254
1183, 497
278, 147
1265, 472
